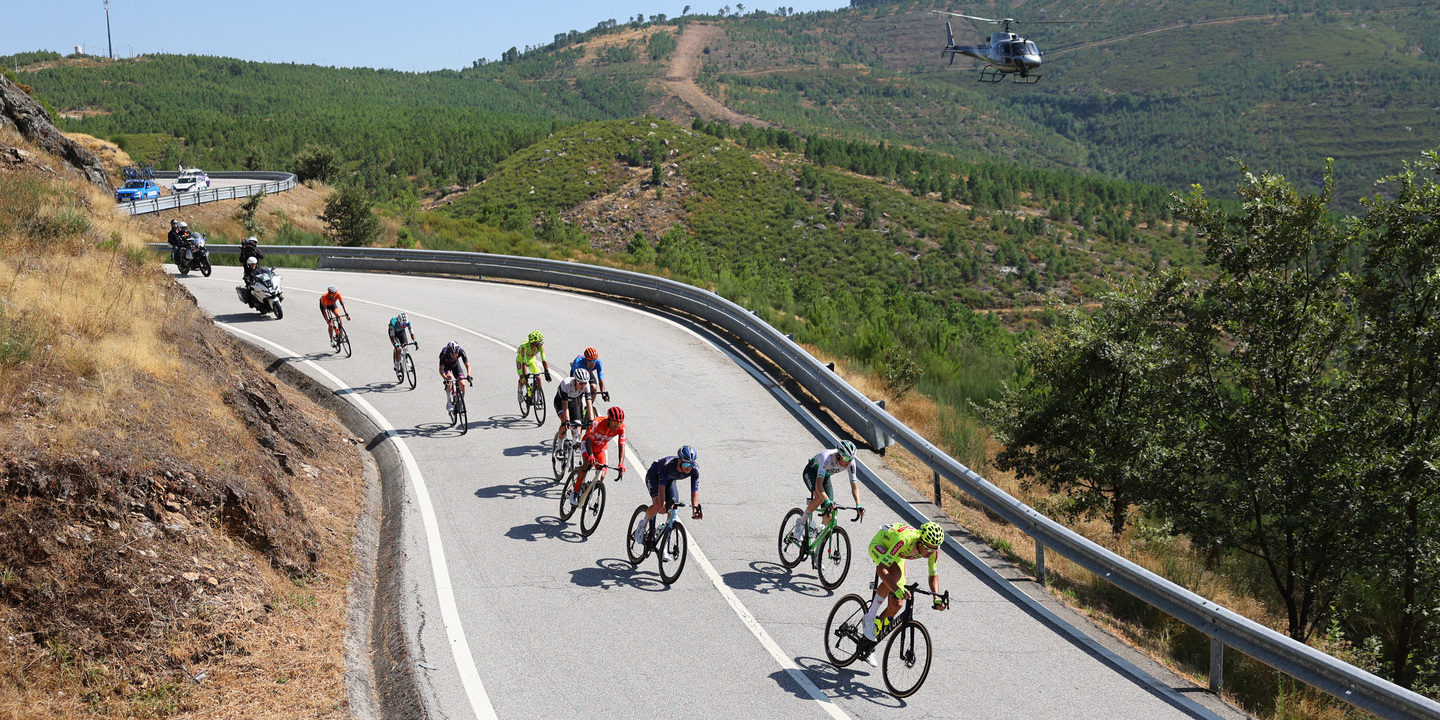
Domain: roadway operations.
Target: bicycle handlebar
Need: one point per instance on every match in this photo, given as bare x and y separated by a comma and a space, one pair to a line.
943, 597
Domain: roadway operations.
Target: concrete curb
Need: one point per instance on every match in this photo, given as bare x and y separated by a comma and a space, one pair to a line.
379, 677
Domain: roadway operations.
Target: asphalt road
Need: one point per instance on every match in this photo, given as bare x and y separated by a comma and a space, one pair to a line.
562, 626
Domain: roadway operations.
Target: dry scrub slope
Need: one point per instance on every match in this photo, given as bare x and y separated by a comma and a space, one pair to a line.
174, 527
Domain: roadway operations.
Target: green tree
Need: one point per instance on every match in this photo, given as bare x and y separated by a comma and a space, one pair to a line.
1088, 419
1266, 457
317, 162
245, 215
350, 217
1399, 360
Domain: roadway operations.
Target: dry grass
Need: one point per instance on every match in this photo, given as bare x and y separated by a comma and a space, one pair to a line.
129, 585
1250, 684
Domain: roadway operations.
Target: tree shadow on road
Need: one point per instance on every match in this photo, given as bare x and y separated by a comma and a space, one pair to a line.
766, 577
616, 573
545, 527
840, 683
538, 486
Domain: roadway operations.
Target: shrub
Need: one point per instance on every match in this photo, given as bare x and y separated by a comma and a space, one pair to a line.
317, 162
350, 218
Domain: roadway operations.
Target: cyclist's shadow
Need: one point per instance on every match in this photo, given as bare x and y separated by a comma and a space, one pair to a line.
838, 682
497, 421
382, 387
545, 527
527, 450
766, 577
429, 430
616, 573
539, 486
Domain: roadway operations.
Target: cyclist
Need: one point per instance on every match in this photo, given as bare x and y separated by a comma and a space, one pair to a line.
569, 394
821, 468
660, 482
401, 334
590, 360
530, 356
328, 304
454, 364
890, 548
592, 449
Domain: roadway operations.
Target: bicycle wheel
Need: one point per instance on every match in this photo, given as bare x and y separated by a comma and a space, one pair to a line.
537, 399
832, 559
633, 550
462, 417
907, 659
567, 508
408, 365
345, 342
673, 547
843, 635
560, 457
523, 399
791, 551
592, 508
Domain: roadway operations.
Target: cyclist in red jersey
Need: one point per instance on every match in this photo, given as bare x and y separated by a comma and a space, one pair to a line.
331, 306
597, 438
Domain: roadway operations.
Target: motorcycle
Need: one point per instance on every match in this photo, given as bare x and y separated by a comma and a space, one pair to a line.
263, 292
193, 256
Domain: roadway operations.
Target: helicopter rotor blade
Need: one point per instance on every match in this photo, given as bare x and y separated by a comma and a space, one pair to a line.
1061, 22
968, 17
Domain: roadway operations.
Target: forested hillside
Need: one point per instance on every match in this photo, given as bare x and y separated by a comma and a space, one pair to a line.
390, 127
1163, 92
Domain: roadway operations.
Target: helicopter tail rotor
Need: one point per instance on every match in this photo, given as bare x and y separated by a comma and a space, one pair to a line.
949, 43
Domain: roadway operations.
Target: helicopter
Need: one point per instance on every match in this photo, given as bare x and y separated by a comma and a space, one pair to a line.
1006, 53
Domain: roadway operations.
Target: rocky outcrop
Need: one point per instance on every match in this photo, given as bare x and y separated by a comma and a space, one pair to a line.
23, 113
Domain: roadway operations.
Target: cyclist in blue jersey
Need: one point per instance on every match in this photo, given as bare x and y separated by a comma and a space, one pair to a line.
660, 481
401, 334
590, 360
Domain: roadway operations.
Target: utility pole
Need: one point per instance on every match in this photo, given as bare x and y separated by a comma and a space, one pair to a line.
108, 39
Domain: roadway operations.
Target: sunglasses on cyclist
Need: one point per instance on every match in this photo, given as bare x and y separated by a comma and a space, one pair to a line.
685, 466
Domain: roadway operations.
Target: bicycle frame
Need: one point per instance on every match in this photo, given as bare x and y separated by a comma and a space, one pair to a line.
908, 611
818, 540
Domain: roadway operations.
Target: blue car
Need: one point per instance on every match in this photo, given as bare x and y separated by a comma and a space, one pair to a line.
137, 190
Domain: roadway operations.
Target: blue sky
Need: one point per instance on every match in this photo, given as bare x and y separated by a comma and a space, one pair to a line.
394, 34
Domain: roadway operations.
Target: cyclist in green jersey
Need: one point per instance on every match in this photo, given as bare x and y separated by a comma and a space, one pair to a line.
531, 356
890, 548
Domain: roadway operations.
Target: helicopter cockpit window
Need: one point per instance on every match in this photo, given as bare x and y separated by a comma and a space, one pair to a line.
1030, 49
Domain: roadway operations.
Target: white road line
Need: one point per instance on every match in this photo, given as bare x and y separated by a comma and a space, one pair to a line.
785, 661
450, 615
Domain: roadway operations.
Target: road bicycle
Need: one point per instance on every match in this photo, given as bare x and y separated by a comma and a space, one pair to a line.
531, 394
668, 541
405, 369
906, 659
828, 547
590, 502
458, 416
566, 455
339, 340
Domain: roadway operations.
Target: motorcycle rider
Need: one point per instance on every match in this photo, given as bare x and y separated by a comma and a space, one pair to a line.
179, 239
251, 265
250, 248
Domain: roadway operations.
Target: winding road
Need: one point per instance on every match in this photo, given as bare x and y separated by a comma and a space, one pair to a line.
513, 614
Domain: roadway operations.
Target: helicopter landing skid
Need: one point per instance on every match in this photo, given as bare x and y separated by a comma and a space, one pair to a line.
1026, 79
989, 74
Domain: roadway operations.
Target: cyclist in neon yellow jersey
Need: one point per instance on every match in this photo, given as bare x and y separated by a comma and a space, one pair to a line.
890, 548
531, 356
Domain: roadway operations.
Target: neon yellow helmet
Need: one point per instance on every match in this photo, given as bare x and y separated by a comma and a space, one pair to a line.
932, 534
536, 337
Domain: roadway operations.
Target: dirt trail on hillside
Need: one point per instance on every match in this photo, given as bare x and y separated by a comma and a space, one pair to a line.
685, 65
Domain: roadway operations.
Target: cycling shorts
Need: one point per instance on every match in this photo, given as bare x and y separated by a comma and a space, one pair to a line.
563, 402
454, 367
532, 366
812, 472
398, 337
653, 483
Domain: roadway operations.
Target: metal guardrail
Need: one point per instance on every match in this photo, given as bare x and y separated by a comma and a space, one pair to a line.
1223, 626
271, 182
